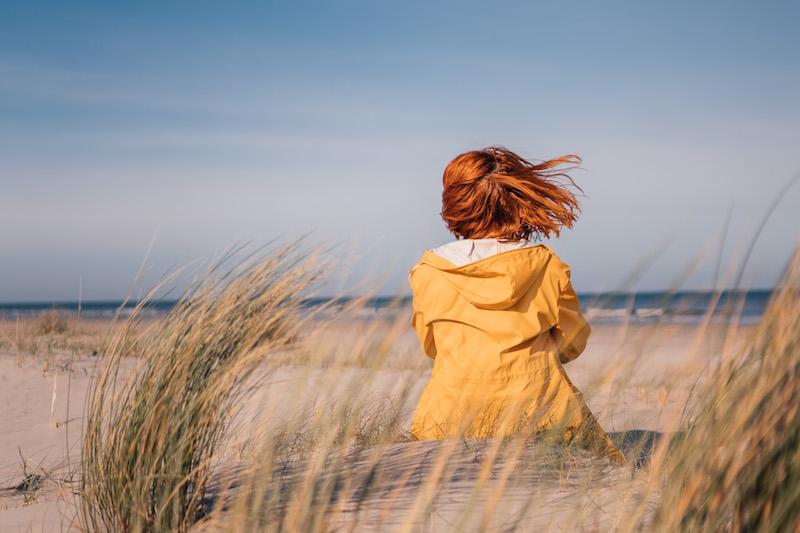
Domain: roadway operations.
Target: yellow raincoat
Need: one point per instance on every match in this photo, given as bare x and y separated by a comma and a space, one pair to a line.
499, 330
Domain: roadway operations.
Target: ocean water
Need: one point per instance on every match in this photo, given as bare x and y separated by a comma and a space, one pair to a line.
689, 307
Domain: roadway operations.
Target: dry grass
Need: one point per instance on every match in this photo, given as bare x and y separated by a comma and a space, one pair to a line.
34, 482
52, 338
150, 438
738, 468
348, 340
169, 449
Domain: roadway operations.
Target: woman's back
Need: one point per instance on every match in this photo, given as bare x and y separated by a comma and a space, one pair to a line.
493, 317
498, 315
498, 329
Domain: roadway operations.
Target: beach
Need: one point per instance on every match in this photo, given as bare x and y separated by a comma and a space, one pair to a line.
635, 378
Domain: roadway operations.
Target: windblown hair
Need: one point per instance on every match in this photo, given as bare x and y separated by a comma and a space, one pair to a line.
494, 193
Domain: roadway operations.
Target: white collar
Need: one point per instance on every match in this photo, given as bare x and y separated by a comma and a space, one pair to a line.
466, 251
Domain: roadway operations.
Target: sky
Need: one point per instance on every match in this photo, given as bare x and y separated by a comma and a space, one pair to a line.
196, 125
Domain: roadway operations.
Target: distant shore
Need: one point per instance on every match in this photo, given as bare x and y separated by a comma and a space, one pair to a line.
685, 307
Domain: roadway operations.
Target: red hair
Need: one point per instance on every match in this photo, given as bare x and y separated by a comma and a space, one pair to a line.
494, 193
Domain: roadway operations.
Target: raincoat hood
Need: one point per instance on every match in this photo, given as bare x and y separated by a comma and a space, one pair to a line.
496, 282
501, 304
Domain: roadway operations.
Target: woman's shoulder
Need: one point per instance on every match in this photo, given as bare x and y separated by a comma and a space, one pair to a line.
554, 256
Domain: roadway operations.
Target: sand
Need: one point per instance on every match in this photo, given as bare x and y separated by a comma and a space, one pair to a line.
655, 370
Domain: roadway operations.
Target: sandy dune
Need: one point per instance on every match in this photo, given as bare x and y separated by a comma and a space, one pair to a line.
637, 378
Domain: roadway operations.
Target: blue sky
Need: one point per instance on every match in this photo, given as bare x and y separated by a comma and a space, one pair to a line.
212, 122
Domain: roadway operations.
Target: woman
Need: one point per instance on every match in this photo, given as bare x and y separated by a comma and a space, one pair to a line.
496, 312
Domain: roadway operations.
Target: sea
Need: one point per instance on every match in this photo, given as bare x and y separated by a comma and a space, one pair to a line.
681, 307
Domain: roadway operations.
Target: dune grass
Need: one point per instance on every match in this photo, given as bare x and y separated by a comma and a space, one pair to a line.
150, 438
52, 338
184, 442
738, 468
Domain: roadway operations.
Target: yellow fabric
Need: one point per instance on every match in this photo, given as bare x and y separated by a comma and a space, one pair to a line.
499, 330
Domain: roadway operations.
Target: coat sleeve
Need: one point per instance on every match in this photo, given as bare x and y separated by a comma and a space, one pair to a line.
571, 330
419, 321
425, 333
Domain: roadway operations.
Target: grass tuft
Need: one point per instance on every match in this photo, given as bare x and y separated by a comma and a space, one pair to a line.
53, 322
150, 438
738, 467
